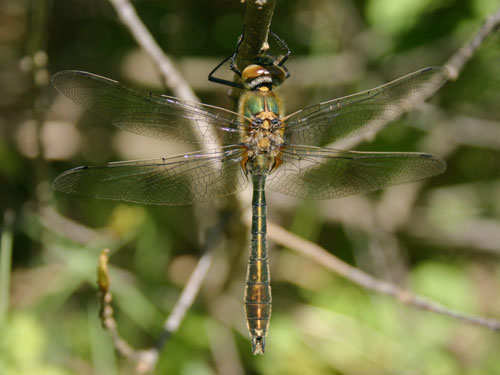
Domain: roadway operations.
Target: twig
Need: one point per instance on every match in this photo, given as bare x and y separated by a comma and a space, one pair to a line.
454, 64
464, 54
258, 17
171, 78
405, 201
355, 275
194, 283
106, 310
146, 359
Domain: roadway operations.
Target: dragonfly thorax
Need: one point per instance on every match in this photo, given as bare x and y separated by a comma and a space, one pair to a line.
264, 131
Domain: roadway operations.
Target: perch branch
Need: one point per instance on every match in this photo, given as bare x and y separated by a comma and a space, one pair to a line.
258, 17
465, 53
355, 275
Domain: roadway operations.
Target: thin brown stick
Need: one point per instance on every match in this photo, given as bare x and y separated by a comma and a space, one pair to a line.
257, 22
146, 359
171, 77
465, 53
454, 65
194, 283
106, 310
355, 275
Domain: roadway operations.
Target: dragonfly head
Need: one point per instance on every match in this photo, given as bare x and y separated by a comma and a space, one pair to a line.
256, 76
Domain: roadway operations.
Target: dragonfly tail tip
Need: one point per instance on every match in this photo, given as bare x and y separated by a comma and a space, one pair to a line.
258, 345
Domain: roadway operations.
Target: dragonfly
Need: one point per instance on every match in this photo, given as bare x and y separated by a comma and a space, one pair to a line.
260, 143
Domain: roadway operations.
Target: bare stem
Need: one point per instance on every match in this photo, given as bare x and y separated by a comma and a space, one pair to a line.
465, 53
146, 359
257, 22
258, 17
171, 77
193, 285
106, 310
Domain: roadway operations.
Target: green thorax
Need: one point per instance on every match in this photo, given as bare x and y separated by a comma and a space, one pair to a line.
258, 101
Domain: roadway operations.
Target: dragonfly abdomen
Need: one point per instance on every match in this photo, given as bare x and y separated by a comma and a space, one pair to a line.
258, 289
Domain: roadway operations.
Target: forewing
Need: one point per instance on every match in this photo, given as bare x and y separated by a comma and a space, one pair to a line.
320, 173
183, 179
141, 112
363, 112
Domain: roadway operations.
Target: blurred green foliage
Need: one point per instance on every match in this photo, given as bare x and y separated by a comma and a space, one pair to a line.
446, 249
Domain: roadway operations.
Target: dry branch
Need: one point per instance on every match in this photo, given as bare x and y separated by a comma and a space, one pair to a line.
364, 280
465, 53
171, 77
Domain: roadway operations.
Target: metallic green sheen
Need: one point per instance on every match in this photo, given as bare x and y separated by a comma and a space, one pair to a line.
257, 103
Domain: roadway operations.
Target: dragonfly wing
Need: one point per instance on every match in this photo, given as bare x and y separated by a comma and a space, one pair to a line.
183, 179
320, 173
141, 112
366, 111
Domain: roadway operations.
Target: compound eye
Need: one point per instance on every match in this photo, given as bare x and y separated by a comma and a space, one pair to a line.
257, 121
275, 122
254, 71
278, 74
255, 75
